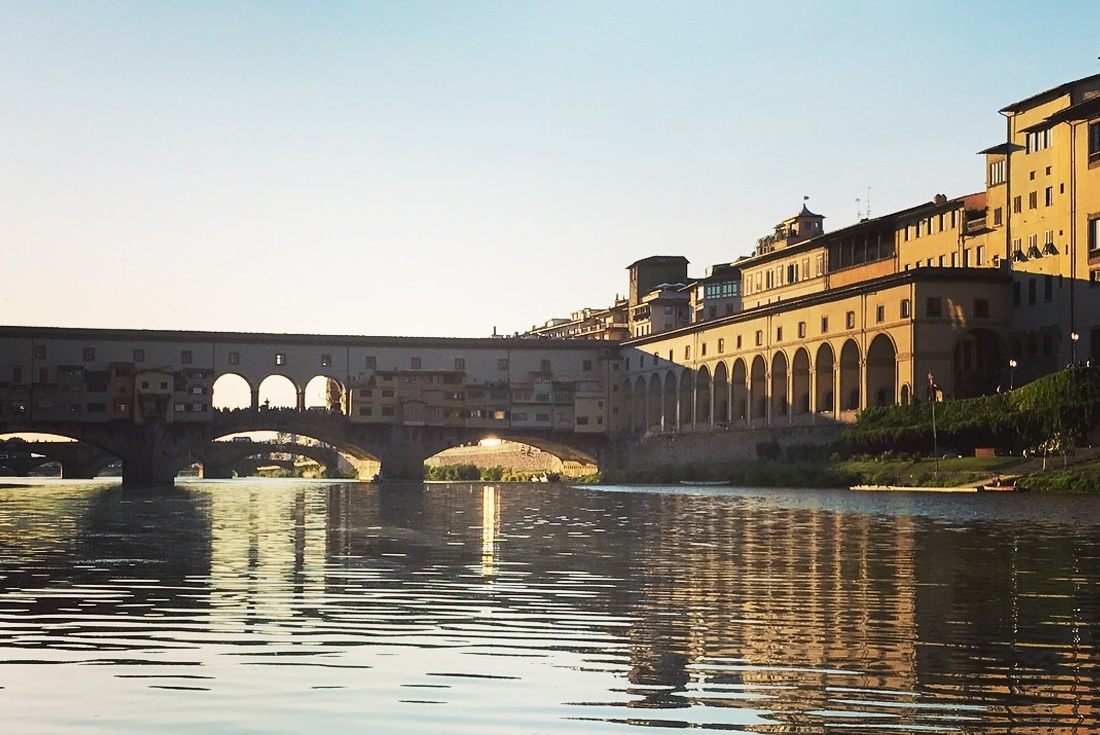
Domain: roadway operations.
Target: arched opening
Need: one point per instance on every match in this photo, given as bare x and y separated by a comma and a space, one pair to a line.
824, 375
498, 459
282, 454
687, 381
779, 384
882, 371
977, 363
740, 391
628, 404
849, 376
702, 397
54, 455
800, 381
278, 391
721, 395
325, 393
905, 397
759, 388
669, 419
231, 392
654, 405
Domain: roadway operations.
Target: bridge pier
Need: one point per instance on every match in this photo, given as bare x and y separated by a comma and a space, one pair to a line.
155, 451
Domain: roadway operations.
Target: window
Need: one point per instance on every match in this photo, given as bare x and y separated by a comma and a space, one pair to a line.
544, 366
703, 350
1048, 287
721, 345
981, 308
1049, 196
17, 374
1031, 290
186, 357
820, 263
759, 337
89, 354
850, 320
980, 254
779, 334
739, 341
326, 360
824, 325
586, 366
387, 410
998, 217
1016, 293
40, 352
1033, 200
905, 308
997, 172
934, 306
139, 355
387, 392
687, 352
280, 358
366, 393
366, 411
954, 260
460, 363
414, 363
1017, 205
802, 330
1094, 142
234, 358
1039, 140
502, 363
880, 314
370, 362
1048, 345
1094, 236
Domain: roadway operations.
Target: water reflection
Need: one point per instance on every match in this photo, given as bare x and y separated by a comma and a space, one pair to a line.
291, 605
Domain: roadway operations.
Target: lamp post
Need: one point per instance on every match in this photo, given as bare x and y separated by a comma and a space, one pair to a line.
1073, 337
1011, 373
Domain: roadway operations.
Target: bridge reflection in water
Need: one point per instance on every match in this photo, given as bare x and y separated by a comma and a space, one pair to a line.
532, 607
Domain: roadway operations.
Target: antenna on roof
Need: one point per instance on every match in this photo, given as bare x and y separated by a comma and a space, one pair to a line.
868, 202
859, 212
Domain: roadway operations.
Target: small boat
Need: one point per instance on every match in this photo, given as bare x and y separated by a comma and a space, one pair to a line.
706, 483
999, 486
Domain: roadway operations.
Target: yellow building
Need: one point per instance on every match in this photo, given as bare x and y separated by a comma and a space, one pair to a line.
953, 298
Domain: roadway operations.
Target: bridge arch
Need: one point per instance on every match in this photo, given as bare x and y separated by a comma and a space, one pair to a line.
279, 391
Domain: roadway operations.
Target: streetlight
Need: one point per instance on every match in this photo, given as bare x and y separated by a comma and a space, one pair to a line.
1073, 337
1011, 373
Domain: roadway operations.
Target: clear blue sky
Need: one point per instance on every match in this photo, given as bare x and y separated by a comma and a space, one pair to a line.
444, 168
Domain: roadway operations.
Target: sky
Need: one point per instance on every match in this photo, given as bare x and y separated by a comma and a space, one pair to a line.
454, 168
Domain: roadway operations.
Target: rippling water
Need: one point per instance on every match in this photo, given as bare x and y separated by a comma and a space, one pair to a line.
283, 606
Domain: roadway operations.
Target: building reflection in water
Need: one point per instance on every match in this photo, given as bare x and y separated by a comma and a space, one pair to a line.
816, 617
490, 512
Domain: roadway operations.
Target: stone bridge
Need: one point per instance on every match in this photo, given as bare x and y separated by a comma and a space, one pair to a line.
156, 451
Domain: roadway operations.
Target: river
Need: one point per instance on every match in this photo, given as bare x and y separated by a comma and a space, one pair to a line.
295, 606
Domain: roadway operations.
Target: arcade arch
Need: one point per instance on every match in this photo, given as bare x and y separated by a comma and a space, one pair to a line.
824, 377
779, 385
800, 382
882, 369
850, 397
231, 392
